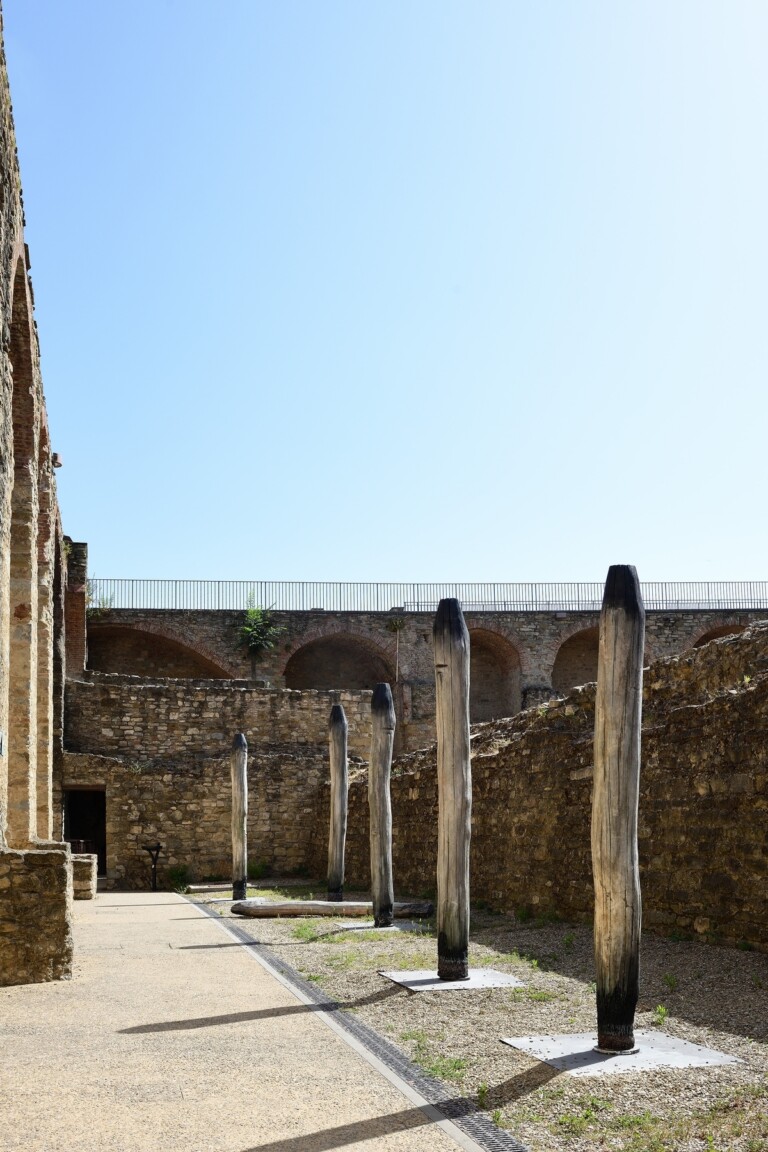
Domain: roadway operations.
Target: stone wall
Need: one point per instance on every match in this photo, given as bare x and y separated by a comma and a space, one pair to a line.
35, 902
519, 657
35, 916
142, 719
185, 804
703, 805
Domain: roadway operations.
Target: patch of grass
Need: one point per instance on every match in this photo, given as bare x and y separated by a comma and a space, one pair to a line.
539, 994
445, 1067
671, 981
660, 1014
577, 1123
482, 1095
308, 931
568, 940
343, 961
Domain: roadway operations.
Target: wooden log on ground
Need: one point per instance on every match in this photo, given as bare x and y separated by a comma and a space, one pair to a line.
337, 835
454, 784
263, 909
380, 804
238, 763
614, 808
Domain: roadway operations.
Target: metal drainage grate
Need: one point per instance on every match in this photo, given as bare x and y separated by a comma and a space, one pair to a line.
463, 1112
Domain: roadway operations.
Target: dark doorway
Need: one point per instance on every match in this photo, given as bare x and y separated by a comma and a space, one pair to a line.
85, 822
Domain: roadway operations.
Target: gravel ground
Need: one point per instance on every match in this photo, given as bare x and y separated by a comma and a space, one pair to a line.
700, 992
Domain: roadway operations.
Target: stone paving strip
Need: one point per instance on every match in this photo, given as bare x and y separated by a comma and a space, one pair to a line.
170, 1036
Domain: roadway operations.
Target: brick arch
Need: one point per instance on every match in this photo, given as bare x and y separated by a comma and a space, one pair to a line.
576, 659
23, 590
495, 677
331, 657
716, 632
150, 651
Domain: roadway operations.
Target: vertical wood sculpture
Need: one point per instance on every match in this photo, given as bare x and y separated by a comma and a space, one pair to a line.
238, 763
454, 783
614, 808
380, 805
337, 741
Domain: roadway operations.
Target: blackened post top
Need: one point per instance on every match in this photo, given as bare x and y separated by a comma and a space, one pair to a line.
622, 590
337, 718
449, 620
239, 744
382, 704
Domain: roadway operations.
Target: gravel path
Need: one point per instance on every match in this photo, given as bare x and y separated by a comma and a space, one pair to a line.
700, 992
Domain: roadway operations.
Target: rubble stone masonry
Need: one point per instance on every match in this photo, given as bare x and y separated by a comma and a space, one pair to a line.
703, 830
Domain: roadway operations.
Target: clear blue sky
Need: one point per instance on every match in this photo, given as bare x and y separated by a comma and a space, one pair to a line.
401, 291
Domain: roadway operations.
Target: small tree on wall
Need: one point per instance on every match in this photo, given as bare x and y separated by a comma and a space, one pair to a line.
258, 633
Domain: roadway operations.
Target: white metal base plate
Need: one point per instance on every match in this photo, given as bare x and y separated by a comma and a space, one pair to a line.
369, 926
427, 980
575, 1053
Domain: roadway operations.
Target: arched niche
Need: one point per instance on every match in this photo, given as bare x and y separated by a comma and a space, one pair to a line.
337, 662
716, 633
576, 661
134, 652
494, 676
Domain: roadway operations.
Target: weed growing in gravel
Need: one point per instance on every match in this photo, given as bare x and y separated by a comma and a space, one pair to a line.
670, 981
482, 1095
660, 1014
576, 1124
308, 931
538, 994
568, 940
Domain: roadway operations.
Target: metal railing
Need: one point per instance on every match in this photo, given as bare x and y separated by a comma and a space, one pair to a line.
303, 596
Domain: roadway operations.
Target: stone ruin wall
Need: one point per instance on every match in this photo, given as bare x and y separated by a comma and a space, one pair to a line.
130, 716
703, 825
35, 874
161, 751
703, 807
518, 658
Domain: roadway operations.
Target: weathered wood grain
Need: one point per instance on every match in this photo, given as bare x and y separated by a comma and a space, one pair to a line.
238, 762
337, 835
614, 808
263, 909
380, 804
454, 781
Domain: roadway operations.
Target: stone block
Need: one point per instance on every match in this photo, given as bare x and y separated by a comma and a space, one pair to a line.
84, 870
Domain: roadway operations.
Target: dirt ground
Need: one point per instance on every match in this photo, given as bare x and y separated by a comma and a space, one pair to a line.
704, 993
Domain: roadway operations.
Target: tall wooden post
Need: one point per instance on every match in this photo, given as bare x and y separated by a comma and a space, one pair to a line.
337, 741
238, 763
614, 808
380, 805
454, 784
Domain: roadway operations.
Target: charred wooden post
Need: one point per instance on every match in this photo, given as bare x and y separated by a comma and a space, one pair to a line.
454, 784
337, 741
380, 805
238, 763
614, 808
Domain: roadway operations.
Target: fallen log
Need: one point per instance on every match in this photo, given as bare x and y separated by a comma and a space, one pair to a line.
263, 909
